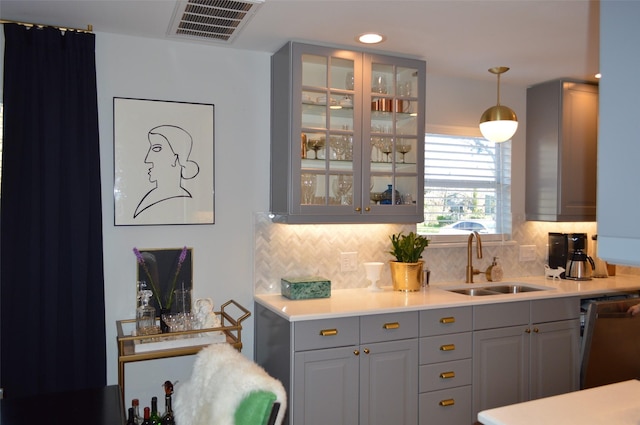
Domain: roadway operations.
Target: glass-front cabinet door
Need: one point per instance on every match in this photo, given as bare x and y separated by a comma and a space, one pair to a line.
345, 144
393, 128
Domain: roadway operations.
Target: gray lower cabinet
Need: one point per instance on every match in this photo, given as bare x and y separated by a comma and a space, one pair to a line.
343, 371
524, 350
445, 366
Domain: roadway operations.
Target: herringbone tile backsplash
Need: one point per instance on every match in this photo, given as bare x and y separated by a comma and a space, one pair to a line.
286, 250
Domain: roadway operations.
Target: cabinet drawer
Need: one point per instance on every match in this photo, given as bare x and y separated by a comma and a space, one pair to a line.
326, 333
451, 407
445, 321
388, 327
490, 316
554, 309
444, 348
440, 376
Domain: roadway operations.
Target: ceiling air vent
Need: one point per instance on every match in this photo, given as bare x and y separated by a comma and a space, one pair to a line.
212, 20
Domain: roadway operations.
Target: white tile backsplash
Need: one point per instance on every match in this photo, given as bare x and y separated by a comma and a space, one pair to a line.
294, 250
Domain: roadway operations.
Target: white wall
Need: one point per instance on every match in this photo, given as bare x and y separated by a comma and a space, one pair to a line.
237, 83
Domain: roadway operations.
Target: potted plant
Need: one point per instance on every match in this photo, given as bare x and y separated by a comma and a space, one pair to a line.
407, 272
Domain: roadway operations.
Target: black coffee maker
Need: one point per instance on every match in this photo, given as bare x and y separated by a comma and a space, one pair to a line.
579, 264
558, 250
569, 251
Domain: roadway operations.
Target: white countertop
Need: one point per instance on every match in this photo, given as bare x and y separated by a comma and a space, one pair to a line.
358, 302
614, 404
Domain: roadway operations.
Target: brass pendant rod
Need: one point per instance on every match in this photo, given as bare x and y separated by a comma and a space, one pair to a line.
498, 89
88, 30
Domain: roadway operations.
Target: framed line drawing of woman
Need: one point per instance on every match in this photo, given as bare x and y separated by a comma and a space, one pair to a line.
163, 162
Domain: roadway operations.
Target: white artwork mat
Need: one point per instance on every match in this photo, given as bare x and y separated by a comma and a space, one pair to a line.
163, 162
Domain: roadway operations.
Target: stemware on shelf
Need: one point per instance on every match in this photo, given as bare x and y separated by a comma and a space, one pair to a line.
308, 184
315, 145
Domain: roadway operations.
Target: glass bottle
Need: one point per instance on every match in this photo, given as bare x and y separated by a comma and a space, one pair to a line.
387, 196
147, 415
145, 315
135, 404
131, 419
154, 418
167, 418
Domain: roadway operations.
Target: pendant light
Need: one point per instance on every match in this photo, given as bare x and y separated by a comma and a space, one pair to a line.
498, 123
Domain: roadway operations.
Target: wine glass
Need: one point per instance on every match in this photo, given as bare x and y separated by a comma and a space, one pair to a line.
339, 146
315, 145
341, 187
386, 147
403, 148
379, 84
308, 184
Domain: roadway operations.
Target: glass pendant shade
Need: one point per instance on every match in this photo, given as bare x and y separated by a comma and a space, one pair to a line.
498, 123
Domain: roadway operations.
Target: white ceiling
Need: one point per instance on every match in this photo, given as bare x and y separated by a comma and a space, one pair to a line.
538, 39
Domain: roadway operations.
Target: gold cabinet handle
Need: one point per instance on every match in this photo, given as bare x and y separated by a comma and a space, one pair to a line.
394, 325
536, 330
447, 375
358, 209
448, 347
447, 320
328, 332
356, 352
367, 209
447, 402
366, 351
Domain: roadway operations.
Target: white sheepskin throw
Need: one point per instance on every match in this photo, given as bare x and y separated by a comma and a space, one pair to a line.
221, 378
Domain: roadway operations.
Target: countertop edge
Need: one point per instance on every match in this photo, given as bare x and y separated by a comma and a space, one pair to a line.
341, 303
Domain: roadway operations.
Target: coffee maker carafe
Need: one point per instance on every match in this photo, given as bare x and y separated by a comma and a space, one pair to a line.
579, 264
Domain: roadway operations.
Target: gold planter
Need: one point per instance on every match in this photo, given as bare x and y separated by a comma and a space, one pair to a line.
407, 277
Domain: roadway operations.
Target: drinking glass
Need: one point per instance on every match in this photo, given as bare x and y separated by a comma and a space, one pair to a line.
379, 84
404, 148
315, 145
386, 147
308, 188
341, 187
349, 81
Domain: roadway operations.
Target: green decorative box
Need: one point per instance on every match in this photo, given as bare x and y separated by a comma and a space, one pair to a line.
305, 288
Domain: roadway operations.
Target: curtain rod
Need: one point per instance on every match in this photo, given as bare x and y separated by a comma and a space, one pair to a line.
89, 28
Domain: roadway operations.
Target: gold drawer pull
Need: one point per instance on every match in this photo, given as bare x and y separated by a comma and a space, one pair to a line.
448, 347
328, 332
448, 375
447, 320
447, 402
394, 325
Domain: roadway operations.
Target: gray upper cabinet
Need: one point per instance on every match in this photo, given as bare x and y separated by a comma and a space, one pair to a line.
562, 128
347, 136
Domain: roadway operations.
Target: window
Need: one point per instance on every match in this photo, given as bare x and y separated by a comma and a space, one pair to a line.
467, 187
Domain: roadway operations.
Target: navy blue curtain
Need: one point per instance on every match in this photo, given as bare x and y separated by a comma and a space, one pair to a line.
52, 327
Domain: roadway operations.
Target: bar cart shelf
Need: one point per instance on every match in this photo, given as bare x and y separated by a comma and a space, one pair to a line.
230, 326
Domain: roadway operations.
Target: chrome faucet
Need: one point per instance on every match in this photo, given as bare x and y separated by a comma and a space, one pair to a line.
470, 270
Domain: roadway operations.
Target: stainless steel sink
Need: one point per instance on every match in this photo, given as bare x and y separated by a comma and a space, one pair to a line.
513, 289
473, 292
507, 288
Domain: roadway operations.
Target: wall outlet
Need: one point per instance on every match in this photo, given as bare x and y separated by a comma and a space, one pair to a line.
348, 261
527, 253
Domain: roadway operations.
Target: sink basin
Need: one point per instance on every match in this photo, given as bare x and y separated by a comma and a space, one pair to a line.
513, 289
474, 292
503, 289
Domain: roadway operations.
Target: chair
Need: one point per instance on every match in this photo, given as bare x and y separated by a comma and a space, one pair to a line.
226, 388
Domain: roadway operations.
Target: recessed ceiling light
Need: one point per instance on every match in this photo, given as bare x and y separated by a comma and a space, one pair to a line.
598, 75
371, 38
